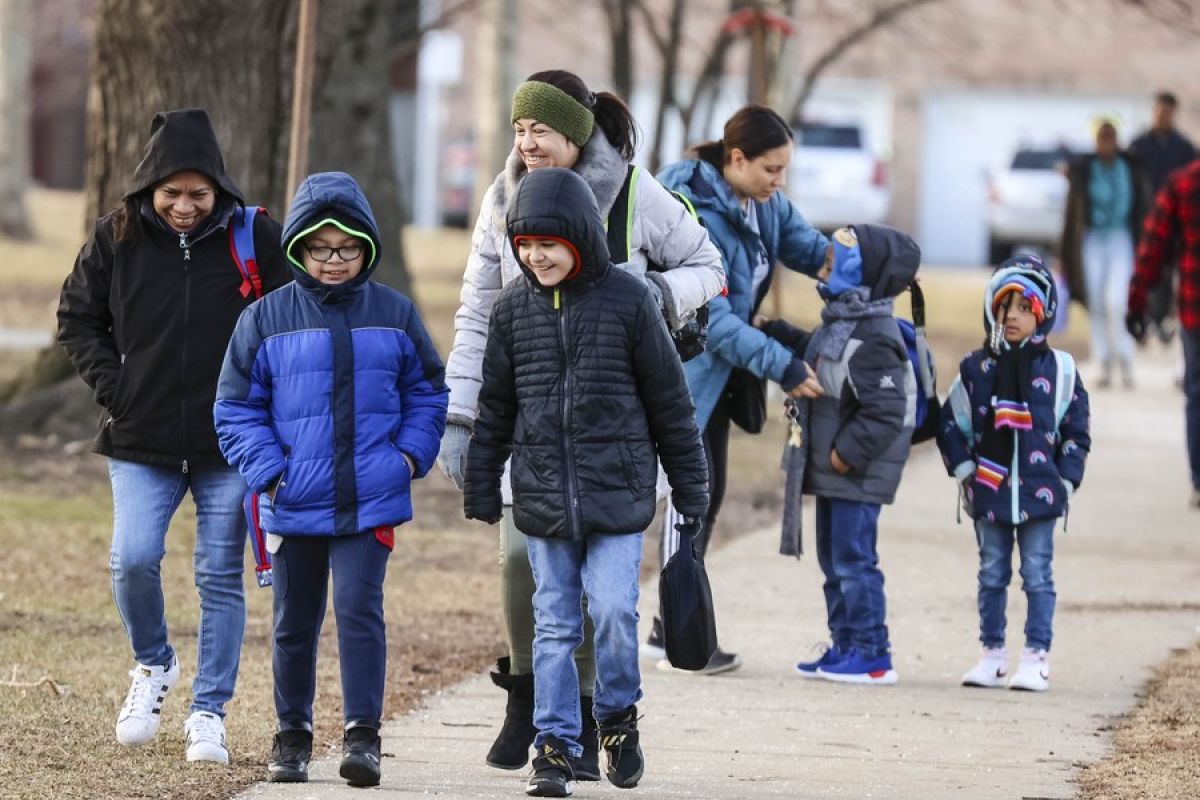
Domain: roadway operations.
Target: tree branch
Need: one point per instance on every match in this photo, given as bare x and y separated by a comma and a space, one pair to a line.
880, 18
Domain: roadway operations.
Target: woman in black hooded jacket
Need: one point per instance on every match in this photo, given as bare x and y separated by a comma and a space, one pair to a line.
582, 384
145, 316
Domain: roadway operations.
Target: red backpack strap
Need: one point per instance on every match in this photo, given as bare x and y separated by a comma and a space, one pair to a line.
241, 246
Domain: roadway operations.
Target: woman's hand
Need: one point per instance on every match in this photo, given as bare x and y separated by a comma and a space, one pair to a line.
840, 466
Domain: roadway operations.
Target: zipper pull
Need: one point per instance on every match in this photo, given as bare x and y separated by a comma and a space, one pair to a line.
185, 467
557, 304
187, 252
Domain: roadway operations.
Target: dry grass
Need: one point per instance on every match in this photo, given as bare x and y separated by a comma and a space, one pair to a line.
1157, 746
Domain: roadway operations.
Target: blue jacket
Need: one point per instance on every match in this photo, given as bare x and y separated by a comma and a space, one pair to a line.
326, 388
1048, 461
787, 238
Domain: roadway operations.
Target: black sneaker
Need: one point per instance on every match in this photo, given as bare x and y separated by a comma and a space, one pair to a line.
655, 646
553, 774
719, 662
290, 754
587, 766
623, 759
360, 756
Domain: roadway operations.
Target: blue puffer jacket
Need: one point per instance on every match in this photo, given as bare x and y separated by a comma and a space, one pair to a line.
787, 238
1048, 461
327, 387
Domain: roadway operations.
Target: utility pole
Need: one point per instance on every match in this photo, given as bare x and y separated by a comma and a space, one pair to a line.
306, 42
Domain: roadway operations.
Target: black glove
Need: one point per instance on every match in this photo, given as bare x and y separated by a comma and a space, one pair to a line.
1135, 323
690, 526
483, 508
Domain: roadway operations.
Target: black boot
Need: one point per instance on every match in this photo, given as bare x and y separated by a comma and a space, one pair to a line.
360, 756
511, 748
623, 760
587, 766
290, 753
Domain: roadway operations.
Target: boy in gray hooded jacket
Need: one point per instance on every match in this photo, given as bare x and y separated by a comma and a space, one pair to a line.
855, 439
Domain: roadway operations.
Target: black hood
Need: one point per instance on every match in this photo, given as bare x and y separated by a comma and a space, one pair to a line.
182, 140
890, 260
556, 203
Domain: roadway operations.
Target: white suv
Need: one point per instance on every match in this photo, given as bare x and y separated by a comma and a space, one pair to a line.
834, 179
1026, 202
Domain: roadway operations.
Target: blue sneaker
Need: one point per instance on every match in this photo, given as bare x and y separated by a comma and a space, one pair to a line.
855, 668
830, 654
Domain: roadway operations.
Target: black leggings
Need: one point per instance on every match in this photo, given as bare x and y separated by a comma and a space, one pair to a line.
716, 451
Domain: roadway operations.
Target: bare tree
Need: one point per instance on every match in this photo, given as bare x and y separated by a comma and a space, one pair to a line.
16, 23
1178, 15
619, 14
667, 43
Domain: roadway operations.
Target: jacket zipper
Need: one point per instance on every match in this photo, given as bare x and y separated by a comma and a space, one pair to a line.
1014, 478
572, 491
187, 304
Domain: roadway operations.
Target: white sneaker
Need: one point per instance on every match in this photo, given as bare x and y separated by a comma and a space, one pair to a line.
205, 734
992, 670
140, 715
1033, 675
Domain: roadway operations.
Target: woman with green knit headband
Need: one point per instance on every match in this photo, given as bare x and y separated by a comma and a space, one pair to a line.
559, 122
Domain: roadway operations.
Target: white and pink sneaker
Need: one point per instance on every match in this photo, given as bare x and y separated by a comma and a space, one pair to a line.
1033, 675
992, 670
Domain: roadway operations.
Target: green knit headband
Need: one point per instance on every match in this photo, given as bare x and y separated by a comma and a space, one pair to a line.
554, 107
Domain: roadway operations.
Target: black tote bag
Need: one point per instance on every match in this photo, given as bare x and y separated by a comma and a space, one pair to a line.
746, 400
685, 603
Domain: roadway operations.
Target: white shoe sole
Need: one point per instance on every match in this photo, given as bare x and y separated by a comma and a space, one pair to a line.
1029, 686
888, 678
808, 674
204, 752
997, 681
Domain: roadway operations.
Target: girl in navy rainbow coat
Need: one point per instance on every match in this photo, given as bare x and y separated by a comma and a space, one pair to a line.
332, 400
1014, 433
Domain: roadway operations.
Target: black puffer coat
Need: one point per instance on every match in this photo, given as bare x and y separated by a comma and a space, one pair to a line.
582, 384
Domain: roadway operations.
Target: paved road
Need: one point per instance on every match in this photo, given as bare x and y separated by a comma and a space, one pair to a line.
1128, 575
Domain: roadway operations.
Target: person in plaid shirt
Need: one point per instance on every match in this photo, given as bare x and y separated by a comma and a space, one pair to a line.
1174, 227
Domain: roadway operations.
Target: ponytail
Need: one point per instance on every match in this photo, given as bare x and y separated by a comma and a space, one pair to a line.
753, 129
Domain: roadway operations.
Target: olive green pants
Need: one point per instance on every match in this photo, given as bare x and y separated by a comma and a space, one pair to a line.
516, 596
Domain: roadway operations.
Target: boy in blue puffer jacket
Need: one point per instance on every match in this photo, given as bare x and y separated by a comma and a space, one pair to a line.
332, 400
1017, 416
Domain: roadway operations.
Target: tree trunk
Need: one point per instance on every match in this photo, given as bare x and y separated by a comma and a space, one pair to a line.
16, 25
620, 29
670, 65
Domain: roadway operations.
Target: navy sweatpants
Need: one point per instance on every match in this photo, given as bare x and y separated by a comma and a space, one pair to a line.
302, 567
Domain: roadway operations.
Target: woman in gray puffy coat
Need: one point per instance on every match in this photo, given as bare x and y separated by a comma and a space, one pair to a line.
559, 122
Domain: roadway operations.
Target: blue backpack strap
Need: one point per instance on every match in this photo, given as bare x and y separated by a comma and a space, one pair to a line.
258, 540
1064, 385
241, 245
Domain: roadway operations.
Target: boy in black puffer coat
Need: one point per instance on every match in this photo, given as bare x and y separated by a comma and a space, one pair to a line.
582, 385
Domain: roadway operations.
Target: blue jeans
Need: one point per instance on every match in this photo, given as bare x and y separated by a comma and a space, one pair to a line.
301, 567
607, 567
145, 497
1036, 542
1191, 388
854, 602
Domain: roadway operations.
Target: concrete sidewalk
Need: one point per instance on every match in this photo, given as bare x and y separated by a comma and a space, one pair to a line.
1128, 579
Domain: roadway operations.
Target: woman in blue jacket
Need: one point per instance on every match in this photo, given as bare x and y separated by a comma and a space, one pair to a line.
734, 184
331, 402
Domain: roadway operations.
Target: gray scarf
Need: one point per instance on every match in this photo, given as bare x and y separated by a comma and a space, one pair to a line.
841, 315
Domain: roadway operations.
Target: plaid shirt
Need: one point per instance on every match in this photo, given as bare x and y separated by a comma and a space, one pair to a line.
1172, 228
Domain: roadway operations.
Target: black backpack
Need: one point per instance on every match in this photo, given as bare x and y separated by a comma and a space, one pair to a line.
693, 336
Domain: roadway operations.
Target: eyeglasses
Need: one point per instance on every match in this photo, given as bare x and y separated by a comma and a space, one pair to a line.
348, 252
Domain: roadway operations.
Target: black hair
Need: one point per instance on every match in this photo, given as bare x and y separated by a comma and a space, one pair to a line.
612, 115
753, 129
1167, 99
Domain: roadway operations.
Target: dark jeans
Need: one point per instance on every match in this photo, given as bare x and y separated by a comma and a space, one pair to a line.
854, 600
302, 567
1191, 387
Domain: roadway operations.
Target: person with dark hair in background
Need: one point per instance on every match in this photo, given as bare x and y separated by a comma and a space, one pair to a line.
145, 316
1106, 203
735, 185
1174, 227
1160, 151
558, 122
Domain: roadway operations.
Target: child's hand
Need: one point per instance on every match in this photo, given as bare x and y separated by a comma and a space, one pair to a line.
412, 465
840, 466
760, 321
